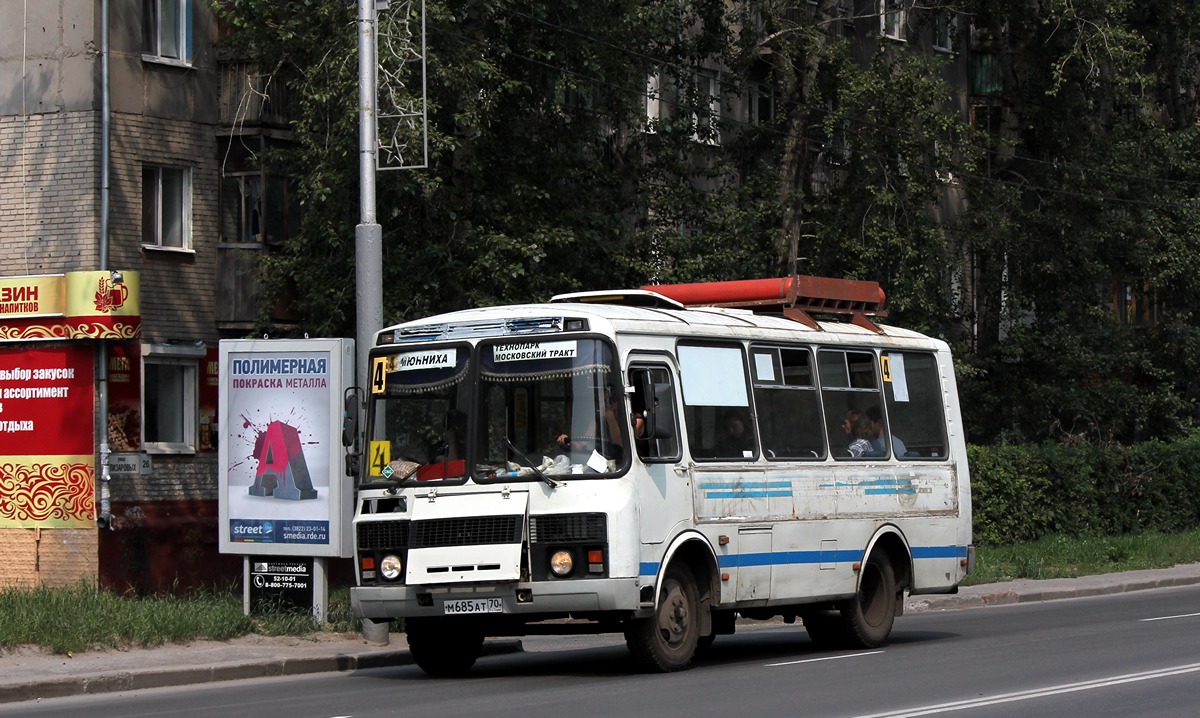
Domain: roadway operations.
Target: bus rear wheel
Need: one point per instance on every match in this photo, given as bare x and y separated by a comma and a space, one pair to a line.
864, 621
667, 640
442, 649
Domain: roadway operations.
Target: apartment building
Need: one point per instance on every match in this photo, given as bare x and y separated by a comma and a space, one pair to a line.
118, 277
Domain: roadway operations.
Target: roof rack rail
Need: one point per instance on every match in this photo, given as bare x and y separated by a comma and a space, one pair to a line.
796, 297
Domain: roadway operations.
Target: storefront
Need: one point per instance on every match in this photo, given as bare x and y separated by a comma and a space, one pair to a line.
52, 329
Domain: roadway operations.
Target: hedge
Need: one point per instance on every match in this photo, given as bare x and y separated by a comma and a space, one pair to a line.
1022, 493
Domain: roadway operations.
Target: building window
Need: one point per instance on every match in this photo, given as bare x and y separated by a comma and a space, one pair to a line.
166, 30
257, 207
1136, 303
762, 104
169, 397
706, 108
945, 31
166, 207
892, 18
653, 101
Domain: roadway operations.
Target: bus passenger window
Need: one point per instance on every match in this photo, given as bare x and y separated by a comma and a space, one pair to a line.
850, 394
915, 406
716, 399
789, 409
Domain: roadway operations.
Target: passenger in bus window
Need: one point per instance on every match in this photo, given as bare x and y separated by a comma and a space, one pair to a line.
858, 429
736, 438
878, 445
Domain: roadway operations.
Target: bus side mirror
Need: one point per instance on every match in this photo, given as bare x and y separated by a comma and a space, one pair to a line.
660, 413
664, 410
351, 403
350, 409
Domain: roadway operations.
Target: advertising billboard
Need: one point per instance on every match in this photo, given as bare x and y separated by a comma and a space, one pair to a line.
47, 459
283, 490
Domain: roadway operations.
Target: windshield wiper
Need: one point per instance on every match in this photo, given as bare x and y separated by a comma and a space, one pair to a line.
549, 481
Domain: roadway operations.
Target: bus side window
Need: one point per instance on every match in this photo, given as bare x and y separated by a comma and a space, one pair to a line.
851, 395
716, 397
789, 410
915, 405
656, 435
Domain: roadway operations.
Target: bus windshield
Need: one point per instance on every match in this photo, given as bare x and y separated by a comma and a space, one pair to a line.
554, 405
543, 407
419, 415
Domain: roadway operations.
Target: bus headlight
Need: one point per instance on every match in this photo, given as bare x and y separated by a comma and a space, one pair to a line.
390, 567
562, 563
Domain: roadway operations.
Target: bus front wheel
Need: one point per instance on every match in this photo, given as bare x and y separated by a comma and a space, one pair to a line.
442, 649
870, 614
667, 640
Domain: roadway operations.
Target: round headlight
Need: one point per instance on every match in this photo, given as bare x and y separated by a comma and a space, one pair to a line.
390, 567
562, 563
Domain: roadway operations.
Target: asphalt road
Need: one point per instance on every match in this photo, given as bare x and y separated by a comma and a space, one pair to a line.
1121, 655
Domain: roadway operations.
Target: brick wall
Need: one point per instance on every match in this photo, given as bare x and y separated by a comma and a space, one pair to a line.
49, 193
54, 557
177, 286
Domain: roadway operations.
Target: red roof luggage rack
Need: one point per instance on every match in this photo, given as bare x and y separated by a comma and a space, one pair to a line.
796, 297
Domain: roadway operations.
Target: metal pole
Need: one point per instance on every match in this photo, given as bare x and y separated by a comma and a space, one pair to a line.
368, 236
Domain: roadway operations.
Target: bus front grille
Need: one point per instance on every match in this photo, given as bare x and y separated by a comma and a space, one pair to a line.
469, 531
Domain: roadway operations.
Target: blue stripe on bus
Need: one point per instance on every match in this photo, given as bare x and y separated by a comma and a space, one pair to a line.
785, 558
939, 552
745, 485
746, 489
747, 494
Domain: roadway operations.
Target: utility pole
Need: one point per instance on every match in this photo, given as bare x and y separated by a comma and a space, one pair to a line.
368, 235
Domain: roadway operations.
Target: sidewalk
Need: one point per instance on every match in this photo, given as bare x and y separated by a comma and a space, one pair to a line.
29, 673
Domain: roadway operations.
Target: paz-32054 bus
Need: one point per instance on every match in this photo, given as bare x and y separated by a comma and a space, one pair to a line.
658, 462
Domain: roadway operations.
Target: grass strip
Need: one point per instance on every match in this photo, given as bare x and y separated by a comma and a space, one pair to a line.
1070, 557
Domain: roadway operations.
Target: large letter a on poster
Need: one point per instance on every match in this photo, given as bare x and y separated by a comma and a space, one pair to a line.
282, 471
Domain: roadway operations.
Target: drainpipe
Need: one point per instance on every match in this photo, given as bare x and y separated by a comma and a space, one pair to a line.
104, 515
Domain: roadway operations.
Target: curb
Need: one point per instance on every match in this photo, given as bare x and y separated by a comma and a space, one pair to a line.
1046, 590
138, 680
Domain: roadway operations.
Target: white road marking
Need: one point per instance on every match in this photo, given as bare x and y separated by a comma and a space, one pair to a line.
1168, 618
1039, 693
826, 658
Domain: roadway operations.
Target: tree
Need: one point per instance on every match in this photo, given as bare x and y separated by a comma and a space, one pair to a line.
1064, 281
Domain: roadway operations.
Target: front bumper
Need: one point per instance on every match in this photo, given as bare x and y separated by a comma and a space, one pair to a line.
381, 603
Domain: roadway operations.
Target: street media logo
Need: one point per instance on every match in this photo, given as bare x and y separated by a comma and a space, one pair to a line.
251, 531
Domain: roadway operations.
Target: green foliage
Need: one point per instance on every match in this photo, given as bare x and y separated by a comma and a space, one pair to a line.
1010, 238
1022, 493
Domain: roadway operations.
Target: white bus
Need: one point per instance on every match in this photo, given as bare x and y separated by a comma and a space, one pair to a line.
577, 467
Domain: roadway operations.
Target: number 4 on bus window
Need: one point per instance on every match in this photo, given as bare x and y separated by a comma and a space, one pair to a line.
885, 367
381, 456
378, 375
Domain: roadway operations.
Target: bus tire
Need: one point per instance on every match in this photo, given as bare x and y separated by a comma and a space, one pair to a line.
870, 614
827, 629
442, 649
667, 640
